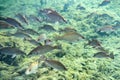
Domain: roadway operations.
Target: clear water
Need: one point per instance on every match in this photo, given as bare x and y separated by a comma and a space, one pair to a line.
91, 19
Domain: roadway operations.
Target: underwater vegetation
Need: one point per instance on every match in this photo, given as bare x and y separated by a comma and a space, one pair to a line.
59, 40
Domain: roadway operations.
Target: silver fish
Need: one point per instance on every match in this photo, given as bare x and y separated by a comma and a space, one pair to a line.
70, 37
42, 50
12, 21
55, 64
103, 55
53, 16
11, 51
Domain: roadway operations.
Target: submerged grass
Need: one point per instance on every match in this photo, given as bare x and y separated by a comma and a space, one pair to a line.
77, 58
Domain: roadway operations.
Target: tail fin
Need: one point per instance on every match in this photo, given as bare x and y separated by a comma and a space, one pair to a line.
42, 58
112, 56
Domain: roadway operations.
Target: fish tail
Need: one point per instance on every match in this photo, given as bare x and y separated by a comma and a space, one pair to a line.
2, 18
42, 58
112, 56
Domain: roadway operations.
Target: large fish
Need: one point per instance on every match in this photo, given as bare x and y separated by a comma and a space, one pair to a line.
42, 50
12, 21
53, 16
70, 37
53, 63
11, 51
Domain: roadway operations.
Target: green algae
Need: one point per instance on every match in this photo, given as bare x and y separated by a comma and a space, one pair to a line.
78, 59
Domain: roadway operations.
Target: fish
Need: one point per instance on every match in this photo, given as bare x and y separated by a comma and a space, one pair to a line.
53, 63
70, 37
106, 29
67, 29
22, 18
34, 42
48, 42
12, 22
103, 55
11, 51
47, 27
1, 46
32, 69
42, 37
34, 18
21, 35
29, 31
39, 50
5, 25
104, 3
79, 7
95, 44
53, 16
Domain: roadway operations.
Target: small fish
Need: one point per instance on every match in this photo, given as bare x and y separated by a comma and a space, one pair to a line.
79, 7
105, 29
32, 69
34, 18
48, 42
12, 22
53, 16
11, 51
22, 18
68, 29
5, 25
70, 36
104, 3
54, 64
29, 31
47, 28
1, 46
34, 42
65, 7
103, 55
42, 37
96, 44
20, 35
39, 50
